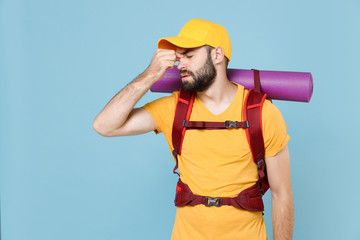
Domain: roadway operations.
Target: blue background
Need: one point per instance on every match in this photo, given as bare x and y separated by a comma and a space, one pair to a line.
62, 61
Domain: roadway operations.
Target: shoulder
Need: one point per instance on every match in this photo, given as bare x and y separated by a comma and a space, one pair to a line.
162, 111
270, 111
162, 102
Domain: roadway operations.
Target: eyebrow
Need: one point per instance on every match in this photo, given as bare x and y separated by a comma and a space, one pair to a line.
187, 51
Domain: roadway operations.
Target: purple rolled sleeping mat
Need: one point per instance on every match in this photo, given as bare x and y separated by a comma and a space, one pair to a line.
279, 85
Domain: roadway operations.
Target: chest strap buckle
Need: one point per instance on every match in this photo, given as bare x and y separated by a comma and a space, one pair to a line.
230, 124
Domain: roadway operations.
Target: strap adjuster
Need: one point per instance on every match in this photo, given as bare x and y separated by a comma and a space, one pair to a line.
184, 123
230, 124
261, 163
175, 154
209, 201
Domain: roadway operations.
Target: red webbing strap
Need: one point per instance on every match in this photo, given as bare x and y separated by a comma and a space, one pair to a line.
182, 112
257, 86
252, 113
214, 125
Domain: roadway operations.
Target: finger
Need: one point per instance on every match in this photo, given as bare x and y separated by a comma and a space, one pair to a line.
179, 55
167, 57
169, 64
163, 52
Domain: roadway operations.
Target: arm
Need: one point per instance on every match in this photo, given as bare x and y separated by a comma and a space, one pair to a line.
278, 172
119, 117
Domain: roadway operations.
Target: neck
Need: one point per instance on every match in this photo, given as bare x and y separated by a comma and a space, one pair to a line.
222, 91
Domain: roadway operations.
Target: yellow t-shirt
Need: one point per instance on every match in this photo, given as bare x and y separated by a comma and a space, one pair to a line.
218, 163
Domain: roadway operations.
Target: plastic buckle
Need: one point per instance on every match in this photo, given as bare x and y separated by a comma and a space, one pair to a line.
262, 191
175, 154
260, 163
209, 201
246, 124
184, 123
230, 124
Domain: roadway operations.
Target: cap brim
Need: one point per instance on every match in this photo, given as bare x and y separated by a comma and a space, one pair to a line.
173, 42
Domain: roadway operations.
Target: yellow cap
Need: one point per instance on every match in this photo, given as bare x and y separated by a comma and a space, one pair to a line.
197, 33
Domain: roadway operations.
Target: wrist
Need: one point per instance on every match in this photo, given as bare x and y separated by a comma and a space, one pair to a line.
145, 80
153, 75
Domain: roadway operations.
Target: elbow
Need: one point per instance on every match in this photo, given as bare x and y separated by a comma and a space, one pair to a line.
97, 126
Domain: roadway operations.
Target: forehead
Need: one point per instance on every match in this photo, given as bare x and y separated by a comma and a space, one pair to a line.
183, 51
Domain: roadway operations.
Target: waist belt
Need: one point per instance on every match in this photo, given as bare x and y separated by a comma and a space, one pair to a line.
249, 199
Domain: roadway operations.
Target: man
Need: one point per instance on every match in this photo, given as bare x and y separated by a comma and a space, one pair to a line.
215, 163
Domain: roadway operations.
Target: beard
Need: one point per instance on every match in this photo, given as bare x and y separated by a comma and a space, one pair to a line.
202, 78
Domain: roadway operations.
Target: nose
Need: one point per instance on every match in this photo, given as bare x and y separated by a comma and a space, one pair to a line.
181, 65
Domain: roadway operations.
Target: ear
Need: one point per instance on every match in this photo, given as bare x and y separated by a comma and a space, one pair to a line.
219, 55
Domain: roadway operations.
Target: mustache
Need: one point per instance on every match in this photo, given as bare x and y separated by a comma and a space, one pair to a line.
186, 72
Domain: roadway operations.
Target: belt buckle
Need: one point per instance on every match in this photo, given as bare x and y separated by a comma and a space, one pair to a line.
209, 201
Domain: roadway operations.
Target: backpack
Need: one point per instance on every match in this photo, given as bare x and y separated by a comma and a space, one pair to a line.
249, 199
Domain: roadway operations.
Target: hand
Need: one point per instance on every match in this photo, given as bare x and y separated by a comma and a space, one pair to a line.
163, 59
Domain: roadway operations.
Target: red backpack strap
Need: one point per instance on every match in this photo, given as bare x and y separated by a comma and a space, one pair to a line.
257, 86
182, 112
252, 113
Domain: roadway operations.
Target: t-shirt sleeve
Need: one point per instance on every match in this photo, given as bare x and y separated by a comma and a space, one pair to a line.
274, 129
162, 111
